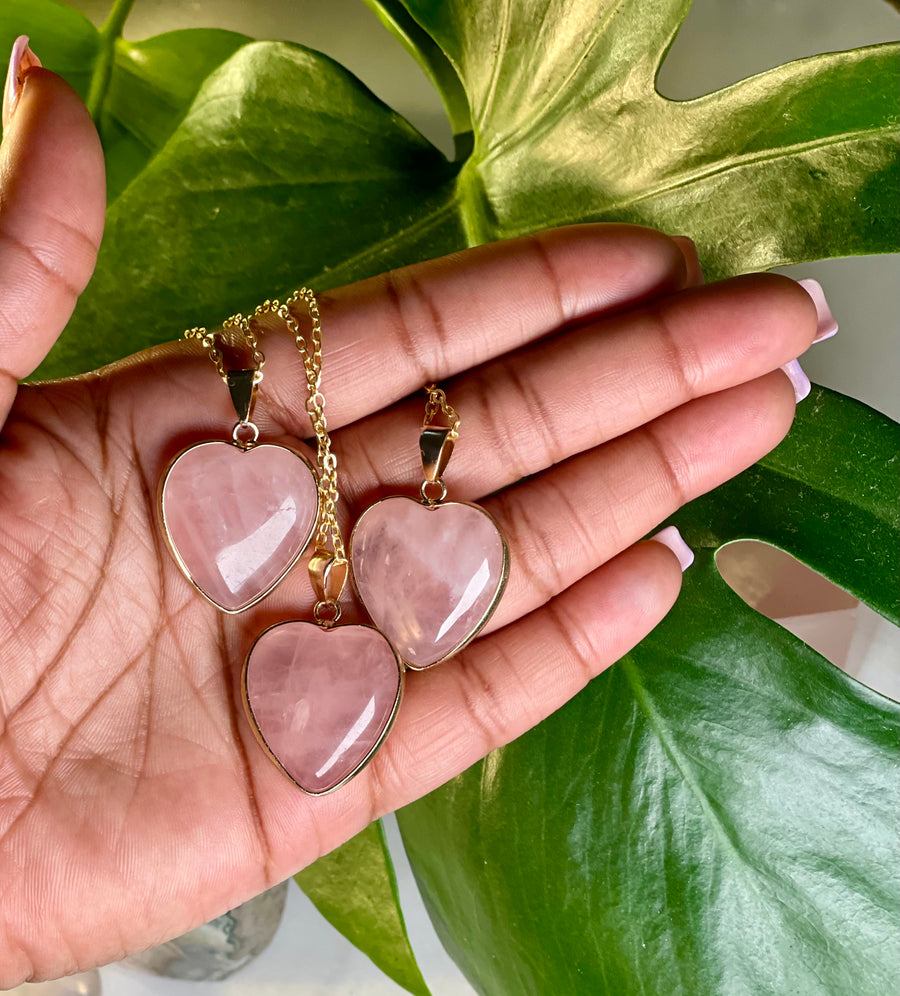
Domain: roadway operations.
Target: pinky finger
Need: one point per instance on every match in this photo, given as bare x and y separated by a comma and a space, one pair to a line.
507, 682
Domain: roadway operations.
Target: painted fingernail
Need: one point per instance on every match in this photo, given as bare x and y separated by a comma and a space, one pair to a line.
798, 379
670, 537
827, 325
20, 61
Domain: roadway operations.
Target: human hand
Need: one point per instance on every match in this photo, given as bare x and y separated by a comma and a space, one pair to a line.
600, 389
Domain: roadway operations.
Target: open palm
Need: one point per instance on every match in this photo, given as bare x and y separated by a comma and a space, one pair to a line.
600, 387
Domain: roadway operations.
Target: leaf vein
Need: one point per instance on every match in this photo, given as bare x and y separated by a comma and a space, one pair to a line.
722, 167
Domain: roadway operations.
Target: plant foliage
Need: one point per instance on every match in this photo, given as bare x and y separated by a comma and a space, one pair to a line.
716, 814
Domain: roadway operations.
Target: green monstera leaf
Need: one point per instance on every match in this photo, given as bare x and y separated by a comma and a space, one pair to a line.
257, 167
717, 813
237, 205
568, 126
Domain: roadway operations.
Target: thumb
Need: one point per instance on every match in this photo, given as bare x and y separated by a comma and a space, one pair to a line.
52, 205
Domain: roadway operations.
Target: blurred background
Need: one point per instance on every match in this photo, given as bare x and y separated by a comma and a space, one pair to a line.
722, 41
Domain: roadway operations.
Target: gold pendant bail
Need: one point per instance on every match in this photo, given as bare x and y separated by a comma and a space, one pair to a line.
436, 446
327, 575
242, 387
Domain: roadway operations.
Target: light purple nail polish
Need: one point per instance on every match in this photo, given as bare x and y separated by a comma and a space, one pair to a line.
798, 379
20, 61
672, 538
827, 325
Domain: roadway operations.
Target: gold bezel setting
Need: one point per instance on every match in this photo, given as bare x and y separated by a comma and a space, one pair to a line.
182, 566
434, 507
257, 732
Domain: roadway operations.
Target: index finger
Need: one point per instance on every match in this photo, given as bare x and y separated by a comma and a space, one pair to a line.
388, 336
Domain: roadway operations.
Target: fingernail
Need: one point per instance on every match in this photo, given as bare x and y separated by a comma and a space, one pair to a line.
20, 61
827, 325
689, 250
670, 537
798, 379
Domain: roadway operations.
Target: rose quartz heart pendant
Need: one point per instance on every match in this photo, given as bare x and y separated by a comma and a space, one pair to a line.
237, 518
430, 575
321, 700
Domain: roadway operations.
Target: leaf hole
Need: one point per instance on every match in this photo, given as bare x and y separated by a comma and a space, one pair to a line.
830, 620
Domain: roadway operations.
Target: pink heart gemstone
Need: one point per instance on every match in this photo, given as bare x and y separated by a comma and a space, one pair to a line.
429, 575
237, 520
322, 700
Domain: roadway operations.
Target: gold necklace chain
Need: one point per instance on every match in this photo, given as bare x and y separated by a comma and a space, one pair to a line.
328, 567
311, 354
242, 325
211, 342
436, 404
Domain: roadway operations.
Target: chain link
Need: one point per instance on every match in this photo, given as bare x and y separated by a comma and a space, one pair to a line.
311, 353
242, 325
438, 404
212, 343
208, 340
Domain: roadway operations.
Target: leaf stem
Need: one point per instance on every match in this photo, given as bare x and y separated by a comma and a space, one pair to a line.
478, 218
110, 31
